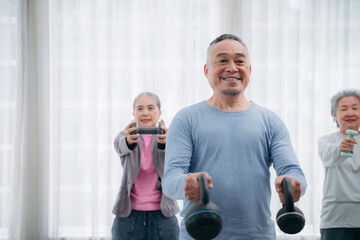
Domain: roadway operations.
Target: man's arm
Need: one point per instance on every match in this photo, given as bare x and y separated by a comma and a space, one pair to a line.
177, 159
285, 162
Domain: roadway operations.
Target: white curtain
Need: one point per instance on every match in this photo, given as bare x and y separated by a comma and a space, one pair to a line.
69, 71
8, 90
24, 162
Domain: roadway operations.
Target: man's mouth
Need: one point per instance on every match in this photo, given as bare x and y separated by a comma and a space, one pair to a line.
231, 78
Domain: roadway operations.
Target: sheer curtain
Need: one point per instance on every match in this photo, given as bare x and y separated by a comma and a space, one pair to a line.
103, 53
8, 86
67, 90
24, 68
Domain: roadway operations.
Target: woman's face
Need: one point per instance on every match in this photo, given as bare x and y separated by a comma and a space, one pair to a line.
146, 112
348, 114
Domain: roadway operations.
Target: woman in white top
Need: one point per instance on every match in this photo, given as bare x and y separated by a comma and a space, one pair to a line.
340, 214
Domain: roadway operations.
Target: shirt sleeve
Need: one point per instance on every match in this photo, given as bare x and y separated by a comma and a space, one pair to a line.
283, 155
329, 151
177, 159
121, 146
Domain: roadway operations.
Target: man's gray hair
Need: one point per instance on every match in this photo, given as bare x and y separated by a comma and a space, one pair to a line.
225, 37
150, 94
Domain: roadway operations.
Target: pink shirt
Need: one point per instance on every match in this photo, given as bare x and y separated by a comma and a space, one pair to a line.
145, 196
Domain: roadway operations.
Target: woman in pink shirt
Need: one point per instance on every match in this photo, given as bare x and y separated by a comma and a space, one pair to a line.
142, 210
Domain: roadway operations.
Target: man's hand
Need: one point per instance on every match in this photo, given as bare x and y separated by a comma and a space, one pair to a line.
295, 186
192, 186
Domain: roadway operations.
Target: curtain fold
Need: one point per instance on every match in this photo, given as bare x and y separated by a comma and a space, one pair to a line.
28, 175
16, 170
79, 64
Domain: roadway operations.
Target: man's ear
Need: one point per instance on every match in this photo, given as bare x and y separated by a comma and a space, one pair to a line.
206, 70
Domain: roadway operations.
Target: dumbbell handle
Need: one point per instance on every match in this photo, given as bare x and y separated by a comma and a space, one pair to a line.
288, 194
351, 134
148, 130
204, 190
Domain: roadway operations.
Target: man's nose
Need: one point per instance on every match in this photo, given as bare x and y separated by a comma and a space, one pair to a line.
231, 67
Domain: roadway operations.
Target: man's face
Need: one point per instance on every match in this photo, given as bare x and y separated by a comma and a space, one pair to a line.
348, 114
228, 68
146, 112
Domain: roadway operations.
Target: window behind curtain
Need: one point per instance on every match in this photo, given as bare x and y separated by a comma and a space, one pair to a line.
83, 89
104, 53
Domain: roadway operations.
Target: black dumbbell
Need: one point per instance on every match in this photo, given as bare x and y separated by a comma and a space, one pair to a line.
203, 220
148, 130
290, 219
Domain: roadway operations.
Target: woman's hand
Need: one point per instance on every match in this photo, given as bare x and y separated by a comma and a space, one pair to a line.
347, 144
131, 138
161, 138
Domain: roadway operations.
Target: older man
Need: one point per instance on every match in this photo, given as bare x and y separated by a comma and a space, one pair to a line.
234, 142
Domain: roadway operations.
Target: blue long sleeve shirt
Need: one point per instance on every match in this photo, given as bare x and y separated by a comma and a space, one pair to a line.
236, 149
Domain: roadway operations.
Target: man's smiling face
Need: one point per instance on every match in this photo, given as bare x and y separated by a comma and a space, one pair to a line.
228, 68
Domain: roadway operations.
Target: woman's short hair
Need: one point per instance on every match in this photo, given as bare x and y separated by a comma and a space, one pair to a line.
150, 94
343, 93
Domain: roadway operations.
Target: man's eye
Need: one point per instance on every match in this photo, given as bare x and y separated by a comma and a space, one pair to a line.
223, 60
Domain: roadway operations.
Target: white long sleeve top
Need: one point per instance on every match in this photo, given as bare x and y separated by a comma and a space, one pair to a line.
341, 191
